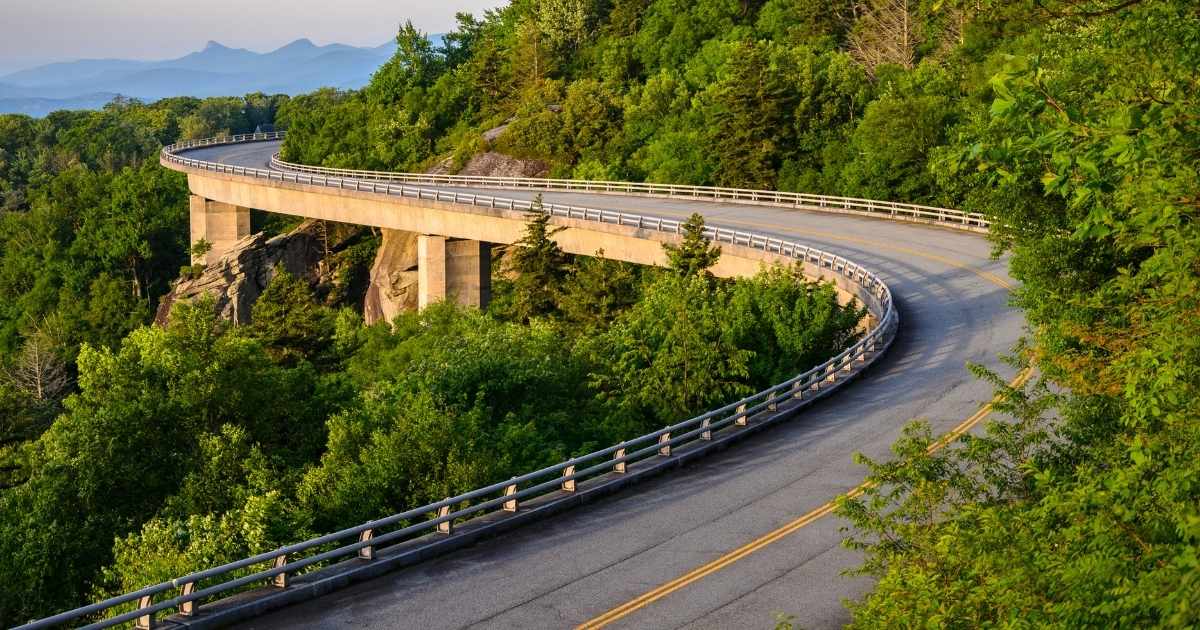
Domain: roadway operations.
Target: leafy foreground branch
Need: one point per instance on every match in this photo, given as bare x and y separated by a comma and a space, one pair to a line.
1082, 509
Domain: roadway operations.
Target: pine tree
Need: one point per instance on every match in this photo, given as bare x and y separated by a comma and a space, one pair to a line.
748, 110
694, 255
540, 266
289, 321
599, 290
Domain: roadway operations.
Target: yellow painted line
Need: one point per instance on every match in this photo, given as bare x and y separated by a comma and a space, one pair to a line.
727, 559
986, 275
703, 571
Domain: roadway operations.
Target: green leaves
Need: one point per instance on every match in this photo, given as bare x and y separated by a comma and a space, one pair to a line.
540, 267
694, 254
673, 354
289, 322
1080, 510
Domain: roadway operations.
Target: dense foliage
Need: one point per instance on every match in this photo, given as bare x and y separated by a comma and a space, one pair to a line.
1084, 511
92, 231
758, 94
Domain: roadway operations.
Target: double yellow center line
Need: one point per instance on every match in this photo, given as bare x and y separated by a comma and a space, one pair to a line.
701, 572
727, 559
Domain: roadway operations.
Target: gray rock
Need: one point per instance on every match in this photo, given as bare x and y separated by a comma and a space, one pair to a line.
239, 277
393, 287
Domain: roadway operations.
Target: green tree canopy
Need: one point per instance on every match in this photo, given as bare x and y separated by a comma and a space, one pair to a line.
540, 267
694, 254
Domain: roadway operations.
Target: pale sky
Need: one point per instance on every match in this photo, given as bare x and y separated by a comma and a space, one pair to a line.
33, 32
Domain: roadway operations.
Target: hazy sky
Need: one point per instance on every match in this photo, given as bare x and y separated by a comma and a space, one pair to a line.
38, 31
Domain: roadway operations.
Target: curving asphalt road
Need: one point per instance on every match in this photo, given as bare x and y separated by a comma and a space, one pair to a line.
954, 309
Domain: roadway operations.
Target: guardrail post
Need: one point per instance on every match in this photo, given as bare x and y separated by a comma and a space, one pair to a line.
145, 622
706, 434
445, 527
188, 608
771, 406
368, 552
281, 580
741, 419
510, 491
619, 466
568, 483
797, 390
664, 445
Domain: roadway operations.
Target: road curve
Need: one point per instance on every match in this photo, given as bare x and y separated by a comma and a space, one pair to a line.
953, 300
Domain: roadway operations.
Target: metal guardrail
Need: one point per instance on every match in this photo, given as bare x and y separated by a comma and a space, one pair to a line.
363, 540
940, 216
946, 217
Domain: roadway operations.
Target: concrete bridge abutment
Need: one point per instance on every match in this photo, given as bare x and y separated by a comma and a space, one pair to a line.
219, 224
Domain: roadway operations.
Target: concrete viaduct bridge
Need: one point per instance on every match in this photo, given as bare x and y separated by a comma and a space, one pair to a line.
739, 535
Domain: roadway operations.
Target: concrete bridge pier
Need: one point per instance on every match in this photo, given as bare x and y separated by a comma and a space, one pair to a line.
453, 269
220, 224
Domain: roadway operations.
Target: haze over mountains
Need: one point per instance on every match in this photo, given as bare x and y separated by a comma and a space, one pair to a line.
217, 70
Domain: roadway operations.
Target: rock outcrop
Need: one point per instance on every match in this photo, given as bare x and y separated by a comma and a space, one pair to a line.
493, 164
393, 288
241, 275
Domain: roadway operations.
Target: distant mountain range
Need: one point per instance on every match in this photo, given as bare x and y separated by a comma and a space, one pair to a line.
217, 70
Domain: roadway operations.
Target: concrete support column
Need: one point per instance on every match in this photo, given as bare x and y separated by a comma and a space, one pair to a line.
469, 272
431, 269
221, 224
452, 269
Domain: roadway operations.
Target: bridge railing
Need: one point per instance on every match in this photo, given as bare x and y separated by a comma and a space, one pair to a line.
901, 211
361, 541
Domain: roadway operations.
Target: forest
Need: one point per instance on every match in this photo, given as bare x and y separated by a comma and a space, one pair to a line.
131, 453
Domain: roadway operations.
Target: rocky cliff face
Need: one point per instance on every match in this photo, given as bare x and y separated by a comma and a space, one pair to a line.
393, 288
242, 274
493, 164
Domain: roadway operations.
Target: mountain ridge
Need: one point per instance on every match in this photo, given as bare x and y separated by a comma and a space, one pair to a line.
215, 70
